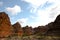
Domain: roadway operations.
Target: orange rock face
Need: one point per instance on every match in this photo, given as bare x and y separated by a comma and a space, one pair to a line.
5, 25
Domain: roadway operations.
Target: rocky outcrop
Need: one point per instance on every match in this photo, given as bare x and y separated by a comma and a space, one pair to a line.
40, 30
17, 29
6, 29
27, 30
54, 27
5, 25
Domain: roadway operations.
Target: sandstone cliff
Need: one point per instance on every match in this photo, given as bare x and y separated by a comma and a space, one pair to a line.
5, 25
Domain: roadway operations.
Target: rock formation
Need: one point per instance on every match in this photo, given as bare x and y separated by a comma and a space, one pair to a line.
54, 27
17, 29
40, 30
6, 29
27, 30
5, 25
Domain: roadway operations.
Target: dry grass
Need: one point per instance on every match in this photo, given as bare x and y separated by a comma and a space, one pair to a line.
34, 37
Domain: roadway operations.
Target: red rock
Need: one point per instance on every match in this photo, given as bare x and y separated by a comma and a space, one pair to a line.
5, 25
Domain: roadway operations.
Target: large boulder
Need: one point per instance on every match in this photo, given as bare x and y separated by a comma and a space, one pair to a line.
5, 25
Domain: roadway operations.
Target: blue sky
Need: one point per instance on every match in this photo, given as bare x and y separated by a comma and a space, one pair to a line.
31, 12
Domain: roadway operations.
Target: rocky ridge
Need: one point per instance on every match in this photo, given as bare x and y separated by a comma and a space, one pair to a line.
6, 29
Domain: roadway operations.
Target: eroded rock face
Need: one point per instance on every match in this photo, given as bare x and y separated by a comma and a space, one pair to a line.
17, 29
5, 25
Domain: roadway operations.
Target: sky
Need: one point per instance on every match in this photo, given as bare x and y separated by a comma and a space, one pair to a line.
31, 12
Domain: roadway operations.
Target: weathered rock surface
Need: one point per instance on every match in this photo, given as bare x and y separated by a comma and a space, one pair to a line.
18, 29
5, 25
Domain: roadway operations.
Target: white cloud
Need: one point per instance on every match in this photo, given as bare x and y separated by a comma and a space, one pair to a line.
1, 3
14, 10
35, 2
23, 21
46, 15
